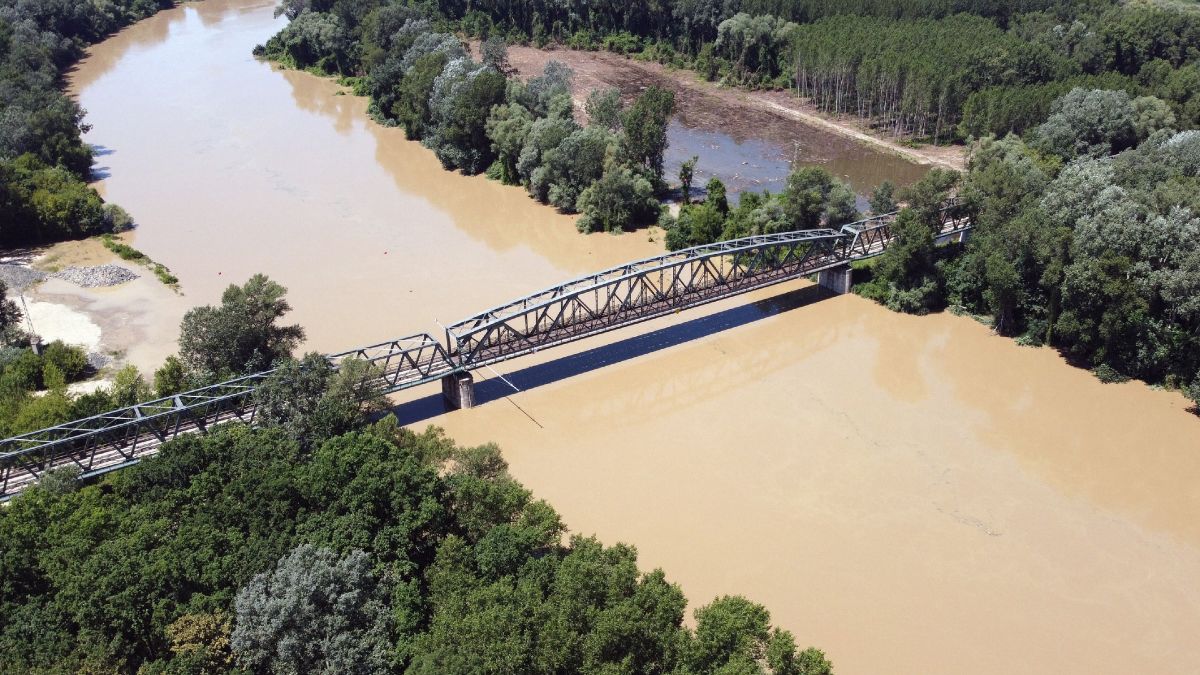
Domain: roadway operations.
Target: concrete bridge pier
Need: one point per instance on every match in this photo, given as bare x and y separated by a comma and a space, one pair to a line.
459, 390
837, 280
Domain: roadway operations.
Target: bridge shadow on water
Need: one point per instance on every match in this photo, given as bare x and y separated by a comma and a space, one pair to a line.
493, 388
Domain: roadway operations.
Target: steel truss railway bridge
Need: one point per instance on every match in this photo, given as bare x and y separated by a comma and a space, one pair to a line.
580, 308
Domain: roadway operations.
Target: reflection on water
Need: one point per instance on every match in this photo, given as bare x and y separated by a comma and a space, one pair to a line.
909, 493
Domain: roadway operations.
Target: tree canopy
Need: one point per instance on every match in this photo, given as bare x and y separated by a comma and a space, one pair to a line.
376, 551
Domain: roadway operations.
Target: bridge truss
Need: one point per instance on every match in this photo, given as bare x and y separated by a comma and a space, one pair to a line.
583, 307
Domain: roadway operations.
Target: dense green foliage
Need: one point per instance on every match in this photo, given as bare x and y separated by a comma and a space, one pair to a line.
44, 165
476, 119
33, 386
942, 69
240, 335
373, 551
1087, 237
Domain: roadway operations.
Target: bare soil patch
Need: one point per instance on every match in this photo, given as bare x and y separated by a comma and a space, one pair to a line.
769, 115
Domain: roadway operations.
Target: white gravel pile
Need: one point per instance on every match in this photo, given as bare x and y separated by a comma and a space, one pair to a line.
93, 277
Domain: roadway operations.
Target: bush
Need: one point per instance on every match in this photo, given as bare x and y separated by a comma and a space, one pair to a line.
1109, 375
71, 361
1193, 392
24, 373
117, 218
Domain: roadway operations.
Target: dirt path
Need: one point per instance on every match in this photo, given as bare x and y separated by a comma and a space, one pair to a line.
734, 111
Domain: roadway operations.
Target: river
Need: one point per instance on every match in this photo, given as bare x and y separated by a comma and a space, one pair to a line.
910, 494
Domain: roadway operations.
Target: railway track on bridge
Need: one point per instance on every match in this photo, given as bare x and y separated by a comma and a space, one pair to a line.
579, 308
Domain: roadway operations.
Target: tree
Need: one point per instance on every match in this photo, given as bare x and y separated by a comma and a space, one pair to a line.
576, 163
461, 99
316, 612
806, 195
545, 135
171, 378
200, 643
71, 361
508, 127
1092, 122
411, 107
730, 630
645, 128
620, 199
312, 39
697, 224
714, 192
1151, 114
883, 198
494, 53
927, 197
554, 84
128, 387
907, 266
842, 205
312, 402
686, 173
603, 108
10, 319
241, 335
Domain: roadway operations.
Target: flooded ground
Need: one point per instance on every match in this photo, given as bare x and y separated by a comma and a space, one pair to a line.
911, 494
750, 140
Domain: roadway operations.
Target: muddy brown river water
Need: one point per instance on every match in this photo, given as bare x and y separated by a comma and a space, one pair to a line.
911, 494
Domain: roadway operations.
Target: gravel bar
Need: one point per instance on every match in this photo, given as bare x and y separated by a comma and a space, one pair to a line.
93, 277
19, 277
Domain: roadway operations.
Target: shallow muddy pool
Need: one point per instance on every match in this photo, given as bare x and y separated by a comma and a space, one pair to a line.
911, 494
744, 140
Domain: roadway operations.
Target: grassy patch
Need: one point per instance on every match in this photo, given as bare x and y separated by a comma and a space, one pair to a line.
127, 252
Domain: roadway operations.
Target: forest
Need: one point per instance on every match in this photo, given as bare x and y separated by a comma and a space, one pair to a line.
936, 70
44, 164
326, 539
1086, 236
476, 118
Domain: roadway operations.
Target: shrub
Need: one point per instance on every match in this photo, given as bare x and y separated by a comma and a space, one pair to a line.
71, 361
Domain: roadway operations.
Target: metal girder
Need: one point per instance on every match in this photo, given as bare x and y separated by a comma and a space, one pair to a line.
586, 306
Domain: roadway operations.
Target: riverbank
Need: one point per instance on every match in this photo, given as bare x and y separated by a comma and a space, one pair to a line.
600, 70
83, 294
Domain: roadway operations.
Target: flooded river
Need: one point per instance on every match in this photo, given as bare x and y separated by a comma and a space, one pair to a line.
911, 494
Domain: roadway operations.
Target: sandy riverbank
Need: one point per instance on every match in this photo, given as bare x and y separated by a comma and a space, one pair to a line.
130, 323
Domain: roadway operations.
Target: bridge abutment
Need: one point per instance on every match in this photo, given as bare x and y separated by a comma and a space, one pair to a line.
458, 390
838, 280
